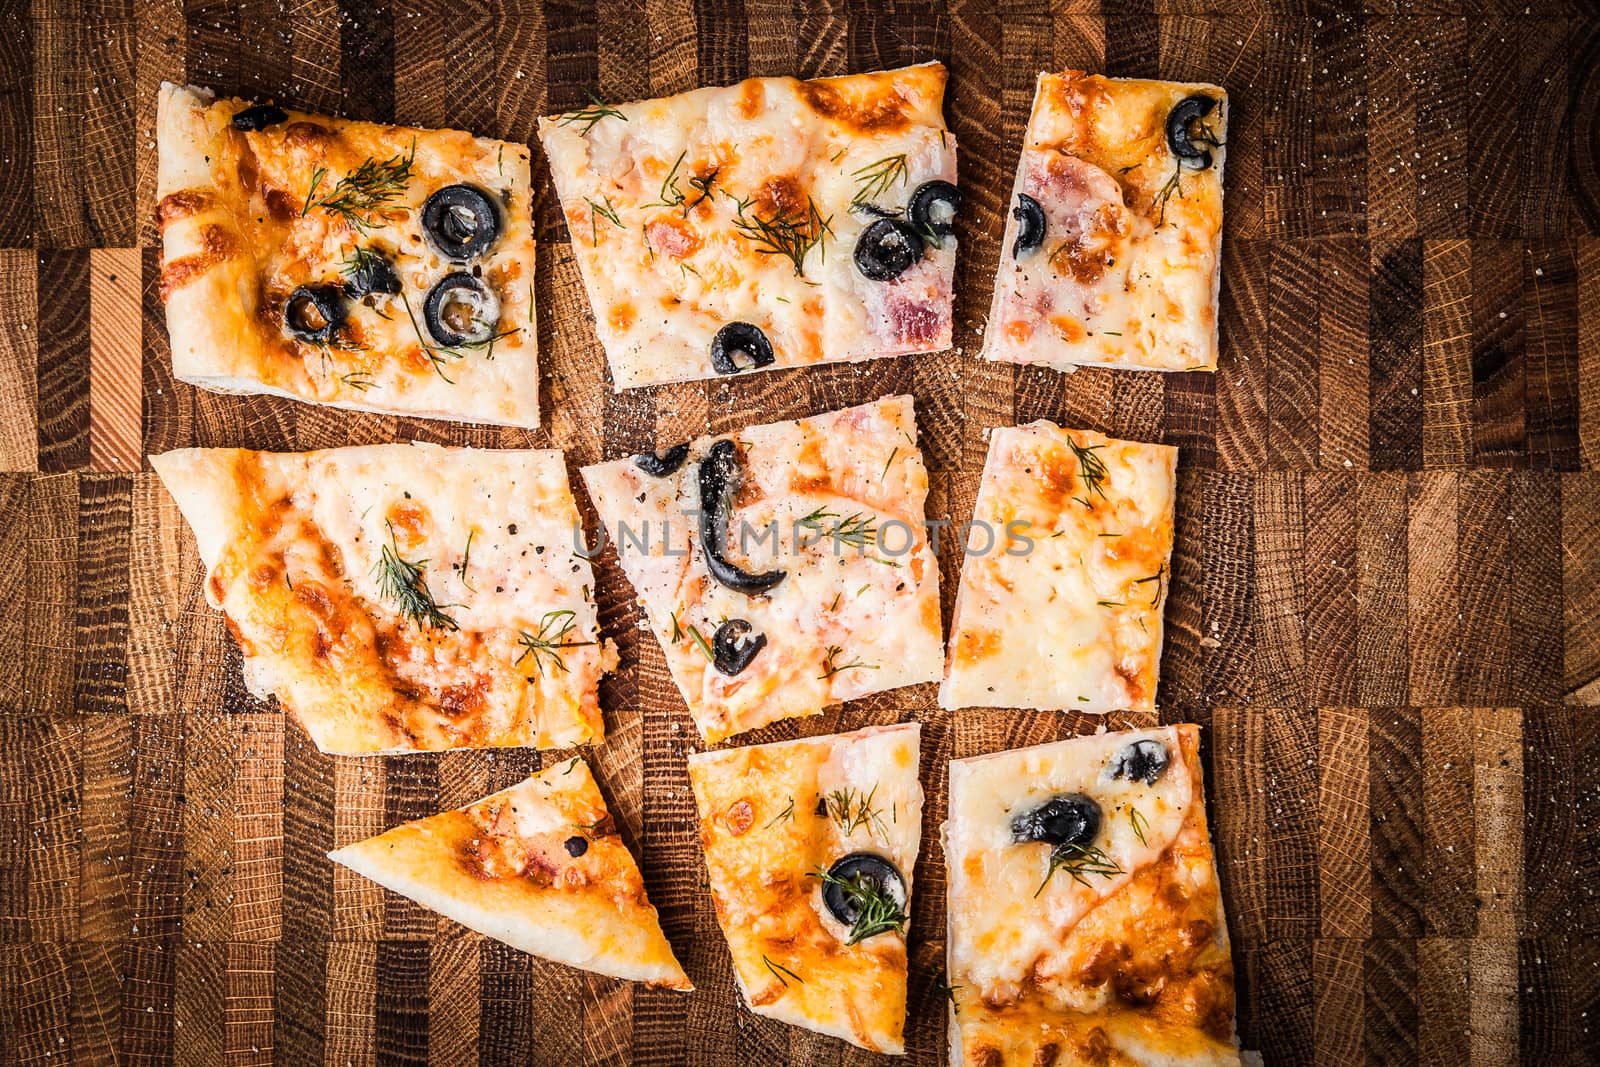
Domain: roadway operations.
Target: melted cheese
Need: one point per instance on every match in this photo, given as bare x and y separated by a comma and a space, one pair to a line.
1122, 968
1129, 270
238, 239
1074, 621
652, 193
504, 866
850, 618
764, 838
295, 546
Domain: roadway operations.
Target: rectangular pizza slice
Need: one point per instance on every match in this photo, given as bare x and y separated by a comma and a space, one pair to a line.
773, 223
785, 567
1061, 608
382, 268
539, 866
404, 597
1112, 254
1085, 916
810, 847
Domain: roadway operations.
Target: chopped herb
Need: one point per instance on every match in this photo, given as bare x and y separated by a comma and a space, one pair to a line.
851, 809
1156, 577
466, 560
893, 452
603, 210
677, 631
440, 355
857, 530
671, 195
500, 160
948, 991
786, 815
704, 186
1174, 187
1110, 603
1112, 333
835, 605
1079, 861
875, 179
876, 911
1108, 535
700, 640
593, 828
784, 235
1091, 466
358, 380
1140, 825
368, 188
550, 641
589, 116
570, 765
831, 668
777, 967
401, 580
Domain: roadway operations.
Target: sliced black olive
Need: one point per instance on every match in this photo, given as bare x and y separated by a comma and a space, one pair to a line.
721, 475
576, 845
1030, 234
874, 872
933, 208
1141, 761
661, 464
732, 648
462, 221
259, 117
371, 272
740, 338
460, 311
866, 207
1182, 138
314, 313
887, 249
1069, 819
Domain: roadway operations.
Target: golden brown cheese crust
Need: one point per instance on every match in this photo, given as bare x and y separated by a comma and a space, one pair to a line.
295, 547
1067, 616
1141, 975
1129, 269
243, 225
770, 818
539, 866
740, 204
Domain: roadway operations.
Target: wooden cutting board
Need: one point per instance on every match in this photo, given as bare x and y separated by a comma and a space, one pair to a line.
1385, 606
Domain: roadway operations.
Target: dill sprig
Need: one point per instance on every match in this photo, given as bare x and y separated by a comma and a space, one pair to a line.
671, 195
850, 809
790, 236
1140, 824
369, 188
1161, 572
700, 639
442, 355
1079, 861
875, 178
1091, 466
358, 380
587, 117
876, 910
1174, 187
603, 210
401, 580
831, 667
786, 815
705, 186
775, 968
550, 642
856, 530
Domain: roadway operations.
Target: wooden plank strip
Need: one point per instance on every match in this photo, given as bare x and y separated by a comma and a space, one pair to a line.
247, 1021
1498, 810
1533, 518
1449, 909
1332, 616
1338, 995
1395, 335
1443, 127
159, 49
367, 56
37, 1017
453, 1006
257, 847
1494, 1024
1557, 809
101, 634
1447, 353
19, 350
1580, 586
352, 986
1588, 267
1344, 387
52, 552
1550, 290
721, 50
1278, 604
1187, 643
155, 823
1344, 832
1395, 740
1229, 573
16, 494
115, 361
1381, 572
1389, 1024
1433, 618
401, 1007
1484, 602
1338, 184
1499, 365
97, 1009
1293, 397
106, 877
358, 813
1443, 1022
410, 791
505, 1026
17, 103
1241, 387
63, 374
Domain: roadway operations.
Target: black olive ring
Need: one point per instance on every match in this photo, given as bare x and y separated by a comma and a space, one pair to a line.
372, 273
738, 338
451, 289
462, 221
1030, 231
259, 117
661, 464
868, 866
1144, 760
887, 249
1181, 137
732, 647
928, 196
721, 475
326, 300
1068, 819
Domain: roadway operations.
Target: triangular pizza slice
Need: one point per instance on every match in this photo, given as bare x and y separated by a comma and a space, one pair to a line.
1085, 914
810, 847
784, 567
539, 866
403, 597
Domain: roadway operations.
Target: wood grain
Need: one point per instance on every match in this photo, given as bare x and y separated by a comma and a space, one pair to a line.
1384, 595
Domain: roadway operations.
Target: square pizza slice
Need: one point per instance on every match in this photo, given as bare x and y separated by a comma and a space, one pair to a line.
1060, 602
1112, 254
382, 268
1086, 921
810, 847
773, 223
539, 866
785, 567
403, 597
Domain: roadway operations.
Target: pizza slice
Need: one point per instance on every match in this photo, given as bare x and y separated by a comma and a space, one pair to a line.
1061, 608
382, 268
773, 223
539, 866
785, 567
1112, 255
810, 847
403, 597
1085, 917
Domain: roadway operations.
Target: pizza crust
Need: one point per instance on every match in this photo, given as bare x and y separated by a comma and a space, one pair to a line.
295, 546
501, 867
232, 251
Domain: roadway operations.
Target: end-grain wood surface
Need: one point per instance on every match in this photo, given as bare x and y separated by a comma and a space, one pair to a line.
1385, 605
